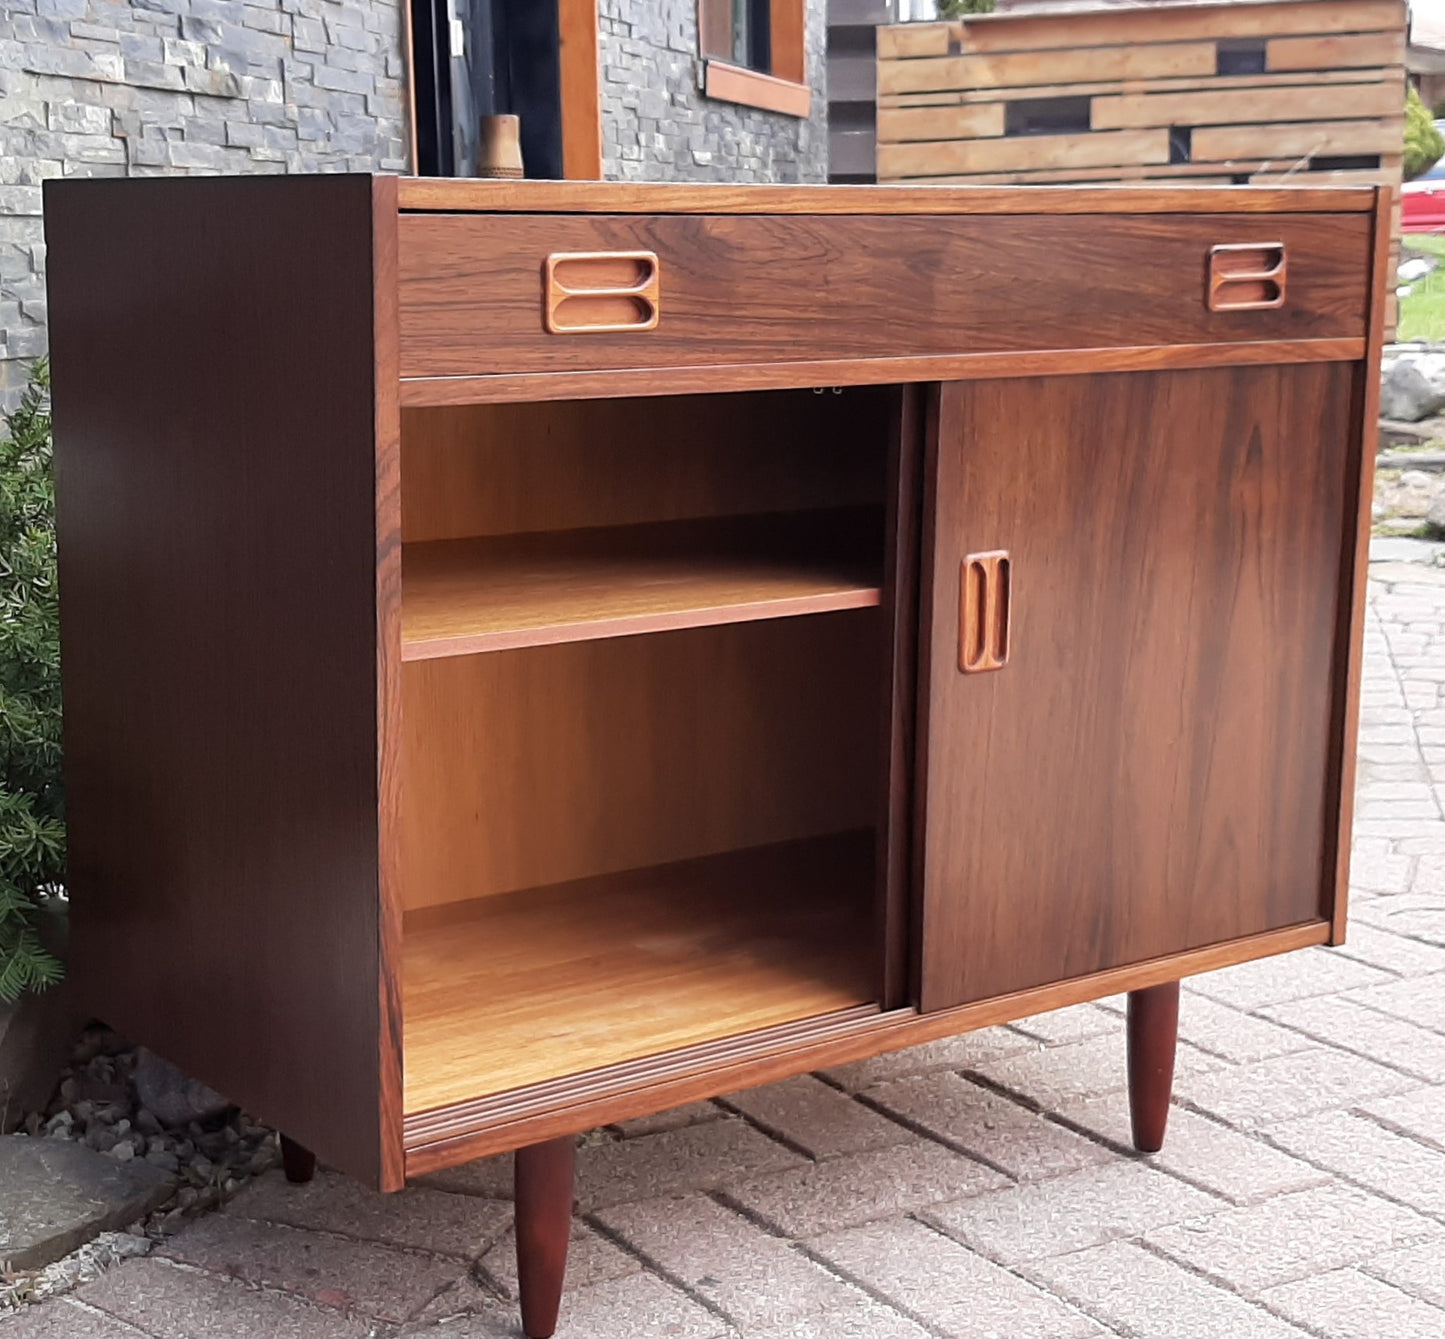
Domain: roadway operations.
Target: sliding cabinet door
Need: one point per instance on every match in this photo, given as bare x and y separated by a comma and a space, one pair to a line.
1129, 669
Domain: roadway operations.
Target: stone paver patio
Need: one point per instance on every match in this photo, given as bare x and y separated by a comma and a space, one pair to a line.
976, 1188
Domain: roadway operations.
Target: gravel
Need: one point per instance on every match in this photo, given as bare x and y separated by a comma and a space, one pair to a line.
97, 1103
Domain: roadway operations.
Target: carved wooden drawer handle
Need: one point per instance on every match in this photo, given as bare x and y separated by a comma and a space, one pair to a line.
1246, 277
983, 617
594, 292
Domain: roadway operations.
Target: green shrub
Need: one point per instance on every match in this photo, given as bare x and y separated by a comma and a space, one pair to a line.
959, 9
32, 822
1423, 142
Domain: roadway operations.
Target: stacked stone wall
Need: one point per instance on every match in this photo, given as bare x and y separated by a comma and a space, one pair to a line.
174, 87
657, 125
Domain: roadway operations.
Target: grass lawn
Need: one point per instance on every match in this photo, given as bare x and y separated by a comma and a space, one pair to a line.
1422, 314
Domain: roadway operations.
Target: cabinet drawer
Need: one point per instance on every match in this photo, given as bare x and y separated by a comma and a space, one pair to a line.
734, 290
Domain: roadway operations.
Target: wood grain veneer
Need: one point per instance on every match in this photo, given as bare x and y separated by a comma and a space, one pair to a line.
571, 464
1149, 773
498, 593
814, 838
433, 194
903, 512
1355, 571
854, 373
217, 474
388, 677
506, 991
746, 290
449, 1135
540, 766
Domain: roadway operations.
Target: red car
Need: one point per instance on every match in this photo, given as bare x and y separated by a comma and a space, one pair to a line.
1422, 202
1422, 205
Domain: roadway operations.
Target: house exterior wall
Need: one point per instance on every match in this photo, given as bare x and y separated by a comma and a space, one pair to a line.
657, 125
177, 87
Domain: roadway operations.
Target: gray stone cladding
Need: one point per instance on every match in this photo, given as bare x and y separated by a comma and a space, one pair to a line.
657, 125
119, 88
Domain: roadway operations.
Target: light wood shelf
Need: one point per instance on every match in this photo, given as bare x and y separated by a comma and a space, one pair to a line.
525, 987
502, 592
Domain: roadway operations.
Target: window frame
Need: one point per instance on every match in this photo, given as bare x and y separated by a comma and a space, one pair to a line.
784, 87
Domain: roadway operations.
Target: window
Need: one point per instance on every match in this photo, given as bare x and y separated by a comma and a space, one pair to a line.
743, 33
1240, 55
536, 59
753, 53
1047, 116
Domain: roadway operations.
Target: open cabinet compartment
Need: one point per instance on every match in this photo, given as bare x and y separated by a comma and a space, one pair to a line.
643, 703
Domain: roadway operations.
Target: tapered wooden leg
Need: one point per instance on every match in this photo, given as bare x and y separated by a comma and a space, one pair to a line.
299, 1163
543, 1178
1153, 1030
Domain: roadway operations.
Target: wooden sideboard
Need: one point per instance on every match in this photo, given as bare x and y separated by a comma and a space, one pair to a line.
536, 654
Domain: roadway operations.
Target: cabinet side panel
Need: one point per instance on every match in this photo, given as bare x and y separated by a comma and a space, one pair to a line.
1354, 576
214, 415
388, 677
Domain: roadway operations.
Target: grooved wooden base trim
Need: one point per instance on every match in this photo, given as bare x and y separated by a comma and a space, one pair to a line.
509, 991
452, 1135
622, 382
442, 1122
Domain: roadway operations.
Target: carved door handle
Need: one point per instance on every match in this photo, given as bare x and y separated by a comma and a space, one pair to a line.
595, 292
983, 615
1248, 277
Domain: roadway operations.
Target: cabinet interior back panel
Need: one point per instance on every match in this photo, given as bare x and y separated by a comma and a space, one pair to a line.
1151, 770
532, 767
499, 469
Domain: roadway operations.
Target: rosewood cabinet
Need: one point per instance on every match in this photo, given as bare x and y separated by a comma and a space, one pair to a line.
536, 654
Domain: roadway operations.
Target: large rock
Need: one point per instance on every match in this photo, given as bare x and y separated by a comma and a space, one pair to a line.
1435, 517
56, 1195
1393, 433
170, 1096
1408, 394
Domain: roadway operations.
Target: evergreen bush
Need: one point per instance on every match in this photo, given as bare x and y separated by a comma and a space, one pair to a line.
1423, 142
32, 821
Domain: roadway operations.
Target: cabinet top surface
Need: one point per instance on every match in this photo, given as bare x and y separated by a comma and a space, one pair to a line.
441, 195
444, 195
